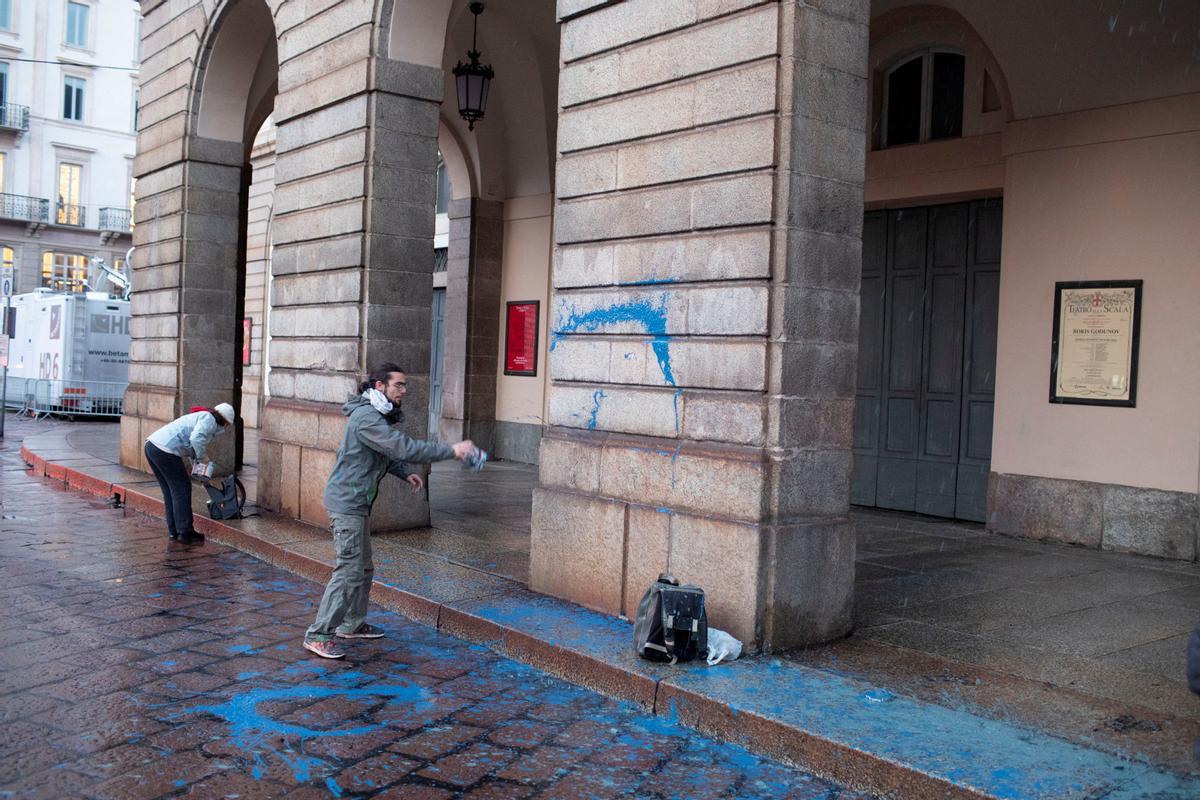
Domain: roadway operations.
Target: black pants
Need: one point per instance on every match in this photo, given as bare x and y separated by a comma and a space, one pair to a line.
176, 488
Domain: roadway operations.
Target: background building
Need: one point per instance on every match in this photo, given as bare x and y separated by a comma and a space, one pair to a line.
68, 99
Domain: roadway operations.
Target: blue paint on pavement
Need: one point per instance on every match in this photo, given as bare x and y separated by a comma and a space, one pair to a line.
256, 733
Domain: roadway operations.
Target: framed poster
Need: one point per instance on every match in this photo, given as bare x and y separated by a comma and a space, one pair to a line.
521, 337
247, 327
1094, 353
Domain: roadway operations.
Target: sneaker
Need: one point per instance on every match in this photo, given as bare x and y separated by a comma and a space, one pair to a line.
364, 631
324, 649
192, 537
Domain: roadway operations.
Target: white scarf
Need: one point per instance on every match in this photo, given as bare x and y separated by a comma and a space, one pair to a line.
378, 401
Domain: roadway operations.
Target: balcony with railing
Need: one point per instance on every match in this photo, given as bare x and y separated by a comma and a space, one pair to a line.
116, 220
26, 209
14, 117
67, 214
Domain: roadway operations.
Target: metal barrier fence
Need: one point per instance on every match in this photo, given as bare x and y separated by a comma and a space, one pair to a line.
46, 398
18, 393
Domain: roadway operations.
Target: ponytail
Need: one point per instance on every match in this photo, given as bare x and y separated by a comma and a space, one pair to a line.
380, 373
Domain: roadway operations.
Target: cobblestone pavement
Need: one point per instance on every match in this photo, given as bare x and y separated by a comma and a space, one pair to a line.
139, 668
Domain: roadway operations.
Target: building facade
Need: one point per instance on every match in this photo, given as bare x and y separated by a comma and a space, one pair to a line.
776, 257
68, 104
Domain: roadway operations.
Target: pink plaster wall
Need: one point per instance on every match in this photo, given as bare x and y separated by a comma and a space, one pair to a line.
1111, 193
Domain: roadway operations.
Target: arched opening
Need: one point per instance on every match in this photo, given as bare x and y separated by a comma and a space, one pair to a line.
492, 242
236, 84
931, 266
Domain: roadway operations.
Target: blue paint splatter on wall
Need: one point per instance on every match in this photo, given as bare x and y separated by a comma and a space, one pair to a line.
648, 282
651, 315
599, 394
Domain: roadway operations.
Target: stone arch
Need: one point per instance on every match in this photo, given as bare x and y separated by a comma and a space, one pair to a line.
415, 30
233, 92
240, 41
463, 175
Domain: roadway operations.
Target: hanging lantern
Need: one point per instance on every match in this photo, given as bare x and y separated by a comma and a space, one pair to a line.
473, 79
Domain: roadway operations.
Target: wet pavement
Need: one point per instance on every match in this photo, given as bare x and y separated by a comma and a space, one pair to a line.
1002, 666
140, 668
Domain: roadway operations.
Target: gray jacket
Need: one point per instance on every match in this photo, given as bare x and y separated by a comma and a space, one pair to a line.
370, 449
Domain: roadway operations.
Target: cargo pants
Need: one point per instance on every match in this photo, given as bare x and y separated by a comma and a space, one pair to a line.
344, 604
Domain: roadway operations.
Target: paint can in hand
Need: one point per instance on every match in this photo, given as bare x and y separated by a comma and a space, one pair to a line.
475, 459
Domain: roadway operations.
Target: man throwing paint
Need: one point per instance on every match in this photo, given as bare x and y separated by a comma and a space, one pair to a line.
370, 449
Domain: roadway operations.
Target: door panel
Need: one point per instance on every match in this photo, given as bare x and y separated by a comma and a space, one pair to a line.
900, 395
870, 360
979, 371
929, 304
942, 365
935, 488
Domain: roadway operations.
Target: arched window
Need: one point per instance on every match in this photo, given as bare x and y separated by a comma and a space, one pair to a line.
923, 97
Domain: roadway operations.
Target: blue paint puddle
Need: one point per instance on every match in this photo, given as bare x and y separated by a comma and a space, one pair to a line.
241, 648
258, 734
878, 696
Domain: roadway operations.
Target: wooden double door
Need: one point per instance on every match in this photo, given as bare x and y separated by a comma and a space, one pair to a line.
927, 359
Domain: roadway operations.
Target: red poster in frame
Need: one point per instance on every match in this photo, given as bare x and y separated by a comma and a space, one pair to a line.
521, 337
247, 327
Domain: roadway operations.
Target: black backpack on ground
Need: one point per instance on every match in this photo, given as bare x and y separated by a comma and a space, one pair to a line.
227, 500
671, 624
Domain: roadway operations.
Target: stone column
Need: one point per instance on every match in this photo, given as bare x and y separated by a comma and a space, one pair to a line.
353, 235
472, 326
704, 316
185, 276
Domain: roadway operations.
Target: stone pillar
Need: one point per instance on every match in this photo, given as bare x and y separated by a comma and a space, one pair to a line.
353, 236
352, 227
472, 326
704, 315
184, 270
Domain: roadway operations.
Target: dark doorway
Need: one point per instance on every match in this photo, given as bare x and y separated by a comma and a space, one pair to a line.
927, 359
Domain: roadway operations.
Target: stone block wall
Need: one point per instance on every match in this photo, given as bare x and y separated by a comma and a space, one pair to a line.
1125, 519
704, 314
352, 232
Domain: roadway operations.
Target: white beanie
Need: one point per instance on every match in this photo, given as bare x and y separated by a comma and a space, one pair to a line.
226, 411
